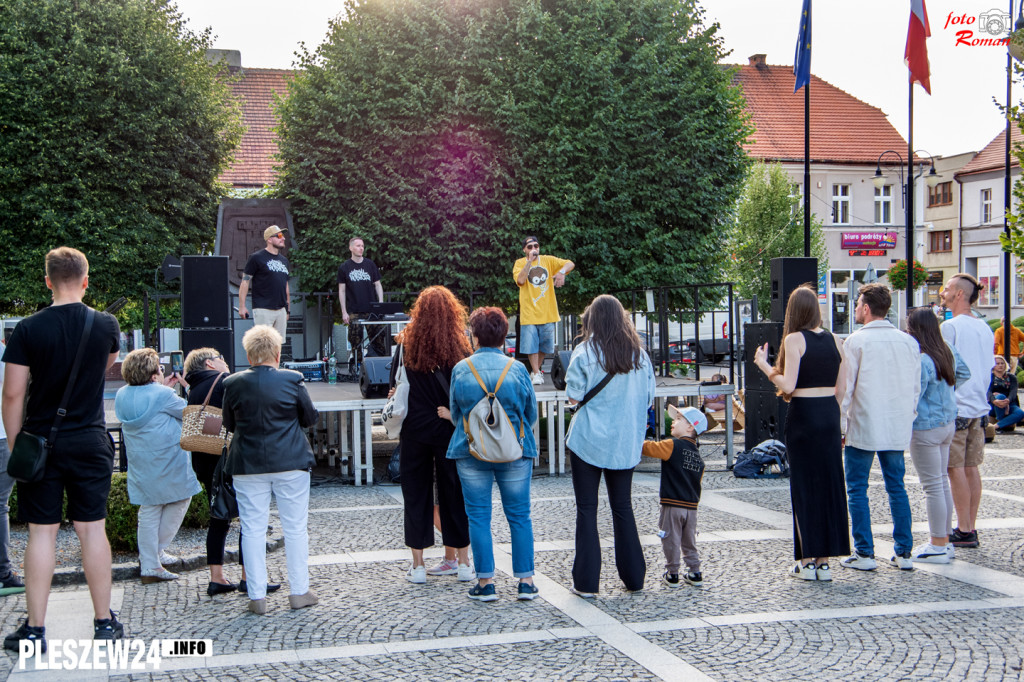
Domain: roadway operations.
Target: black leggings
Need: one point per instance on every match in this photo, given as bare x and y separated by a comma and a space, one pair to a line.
629, 555
204, 464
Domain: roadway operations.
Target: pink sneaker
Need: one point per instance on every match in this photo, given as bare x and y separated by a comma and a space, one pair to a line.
446, 567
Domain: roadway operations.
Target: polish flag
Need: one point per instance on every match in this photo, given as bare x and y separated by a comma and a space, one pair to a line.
916, 53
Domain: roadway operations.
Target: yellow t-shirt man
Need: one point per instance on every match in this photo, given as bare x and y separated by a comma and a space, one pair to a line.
537, 304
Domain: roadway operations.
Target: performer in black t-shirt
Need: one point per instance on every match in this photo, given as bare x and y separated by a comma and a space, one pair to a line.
81, 459
358, 286
267, 269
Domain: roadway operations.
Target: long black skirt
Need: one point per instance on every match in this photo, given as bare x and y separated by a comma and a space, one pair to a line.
817, 486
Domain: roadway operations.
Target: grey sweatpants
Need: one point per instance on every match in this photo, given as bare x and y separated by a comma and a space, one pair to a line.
929, 451
680, 526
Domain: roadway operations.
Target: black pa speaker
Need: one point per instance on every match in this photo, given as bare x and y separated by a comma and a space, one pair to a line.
559, 366
765, 418
787, 274
205, 297
755, 335
221, 339
375, 377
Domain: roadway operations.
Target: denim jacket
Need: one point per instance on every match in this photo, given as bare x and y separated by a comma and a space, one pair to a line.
516, 396
937, 405
608, 431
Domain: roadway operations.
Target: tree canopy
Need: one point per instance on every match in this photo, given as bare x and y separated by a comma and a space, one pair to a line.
443, 131
113, 131
769, 224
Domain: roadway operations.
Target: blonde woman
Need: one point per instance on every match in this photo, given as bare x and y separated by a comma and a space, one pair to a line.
160, 477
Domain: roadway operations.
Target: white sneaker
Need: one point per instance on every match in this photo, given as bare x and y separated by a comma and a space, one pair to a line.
446, 567
417, 574
861, 563
824, 573
808, 572
156, 575
930, 554
537, 379
950, 551
167, 559
466, 573
902, 562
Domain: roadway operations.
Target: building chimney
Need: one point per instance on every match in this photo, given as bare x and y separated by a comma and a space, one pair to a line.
758, 60
228, 58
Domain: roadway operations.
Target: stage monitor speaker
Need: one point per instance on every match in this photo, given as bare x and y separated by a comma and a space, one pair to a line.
221, 339
765, 418
374, 377
787, 274
755, 335
205, 296
559, 366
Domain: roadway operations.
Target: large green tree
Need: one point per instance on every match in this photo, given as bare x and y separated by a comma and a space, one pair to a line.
113, 130
769, 224
442, 131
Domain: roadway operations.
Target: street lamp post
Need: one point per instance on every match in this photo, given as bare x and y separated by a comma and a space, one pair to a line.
907, 202
1013, 51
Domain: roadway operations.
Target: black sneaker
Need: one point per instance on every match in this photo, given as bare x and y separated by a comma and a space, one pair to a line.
670, 579
25, 631
693, 578
960, 539
12, 580
108, 628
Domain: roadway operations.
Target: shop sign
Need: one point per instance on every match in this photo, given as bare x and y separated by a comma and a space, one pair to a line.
864, 240
868, 252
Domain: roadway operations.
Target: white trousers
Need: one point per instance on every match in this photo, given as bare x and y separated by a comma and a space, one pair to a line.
291, 489
158, 524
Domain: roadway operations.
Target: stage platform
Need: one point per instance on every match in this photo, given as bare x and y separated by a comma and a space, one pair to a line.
347, 419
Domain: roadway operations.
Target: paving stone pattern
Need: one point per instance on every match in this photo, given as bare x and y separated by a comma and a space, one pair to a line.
777, 628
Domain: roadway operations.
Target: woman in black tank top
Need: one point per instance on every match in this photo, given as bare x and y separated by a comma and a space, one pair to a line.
810, 376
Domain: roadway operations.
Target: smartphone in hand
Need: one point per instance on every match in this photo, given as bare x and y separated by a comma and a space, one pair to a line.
177, 362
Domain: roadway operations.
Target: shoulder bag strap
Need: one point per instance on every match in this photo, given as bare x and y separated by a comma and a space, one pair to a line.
594, 391
478, 379
439, 375
90, 314
209, 394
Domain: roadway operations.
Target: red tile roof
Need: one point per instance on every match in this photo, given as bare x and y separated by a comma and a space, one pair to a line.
993, 156
254, 158
843, 128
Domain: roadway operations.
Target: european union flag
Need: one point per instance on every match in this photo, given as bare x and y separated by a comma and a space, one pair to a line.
802, 60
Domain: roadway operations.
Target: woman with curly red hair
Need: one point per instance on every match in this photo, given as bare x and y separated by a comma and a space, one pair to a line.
432, 344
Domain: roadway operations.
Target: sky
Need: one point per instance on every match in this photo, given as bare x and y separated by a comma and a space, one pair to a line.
856, 46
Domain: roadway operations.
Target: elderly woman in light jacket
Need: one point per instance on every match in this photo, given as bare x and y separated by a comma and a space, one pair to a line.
160, 476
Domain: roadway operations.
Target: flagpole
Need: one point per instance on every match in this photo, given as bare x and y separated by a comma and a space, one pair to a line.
909, 189
807, 170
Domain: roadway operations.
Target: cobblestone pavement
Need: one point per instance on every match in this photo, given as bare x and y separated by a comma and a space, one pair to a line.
749, 621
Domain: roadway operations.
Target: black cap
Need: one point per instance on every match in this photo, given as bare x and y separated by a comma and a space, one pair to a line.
531, 238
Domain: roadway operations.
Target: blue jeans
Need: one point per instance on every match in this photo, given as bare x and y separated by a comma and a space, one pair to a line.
858, 465
514, 484
1008, 416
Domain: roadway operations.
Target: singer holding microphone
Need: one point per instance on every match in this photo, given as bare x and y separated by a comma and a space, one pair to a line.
538, 309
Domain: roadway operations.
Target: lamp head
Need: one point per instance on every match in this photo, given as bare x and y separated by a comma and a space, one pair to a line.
932, 178
879, 180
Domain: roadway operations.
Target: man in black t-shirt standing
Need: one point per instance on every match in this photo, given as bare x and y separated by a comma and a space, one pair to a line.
267, 269
81, 458
358, 286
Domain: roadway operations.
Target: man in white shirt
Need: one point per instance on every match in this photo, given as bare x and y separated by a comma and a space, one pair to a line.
883, 383
973, 339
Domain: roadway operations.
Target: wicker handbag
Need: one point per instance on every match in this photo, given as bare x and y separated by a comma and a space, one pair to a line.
202, 427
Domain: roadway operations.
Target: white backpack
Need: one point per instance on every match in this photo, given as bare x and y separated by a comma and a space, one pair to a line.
489, 431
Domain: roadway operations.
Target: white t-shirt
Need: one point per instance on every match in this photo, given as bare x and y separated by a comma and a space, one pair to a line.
975, 342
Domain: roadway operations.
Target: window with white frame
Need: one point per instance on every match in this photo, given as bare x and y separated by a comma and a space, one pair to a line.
796, 193
883, 205
840, 204
986, 206
988, 275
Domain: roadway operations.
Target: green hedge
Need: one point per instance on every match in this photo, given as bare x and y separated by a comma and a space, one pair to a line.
123, 516
1016, 322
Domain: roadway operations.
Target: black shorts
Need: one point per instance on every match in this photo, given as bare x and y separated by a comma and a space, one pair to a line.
80, 463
